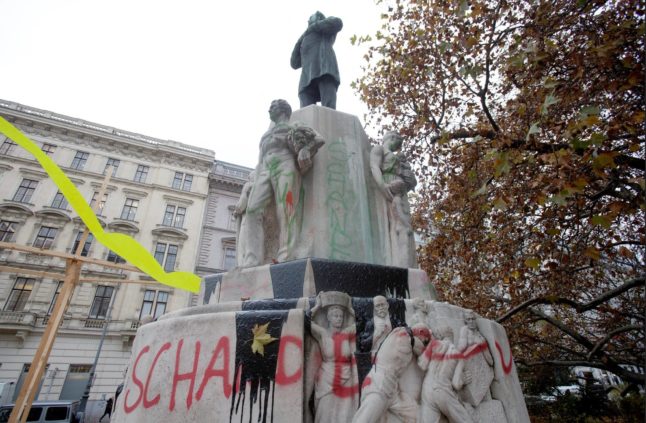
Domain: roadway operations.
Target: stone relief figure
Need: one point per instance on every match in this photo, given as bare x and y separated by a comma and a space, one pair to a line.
286, 153
381, 392
394, 178
478, 362
380, 326
336, 384
313, 52
420, 311
445, 376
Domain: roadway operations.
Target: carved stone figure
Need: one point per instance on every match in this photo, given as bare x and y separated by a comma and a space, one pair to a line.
313, 52
420, 312
336, 384
286, 152
240, 214
445, 376
380, 326
394, 178
381, 392
478, 362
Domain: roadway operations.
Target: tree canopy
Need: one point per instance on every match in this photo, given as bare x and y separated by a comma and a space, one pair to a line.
525, 121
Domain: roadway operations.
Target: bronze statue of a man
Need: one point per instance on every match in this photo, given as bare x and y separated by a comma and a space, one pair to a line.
313, 52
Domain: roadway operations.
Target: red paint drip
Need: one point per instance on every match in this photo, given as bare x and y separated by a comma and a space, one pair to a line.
289, 203
505, 367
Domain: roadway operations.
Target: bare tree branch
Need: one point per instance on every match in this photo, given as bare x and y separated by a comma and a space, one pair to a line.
580, 308
610, 335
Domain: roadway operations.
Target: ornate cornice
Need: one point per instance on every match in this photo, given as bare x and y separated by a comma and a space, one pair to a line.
101, 137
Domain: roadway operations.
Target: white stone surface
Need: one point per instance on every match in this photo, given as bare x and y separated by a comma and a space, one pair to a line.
203, 391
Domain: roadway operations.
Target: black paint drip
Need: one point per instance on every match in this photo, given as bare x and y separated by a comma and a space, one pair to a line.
259, 371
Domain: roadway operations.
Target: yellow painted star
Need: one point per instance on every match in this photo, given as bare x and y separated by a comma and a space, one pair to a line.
260, 338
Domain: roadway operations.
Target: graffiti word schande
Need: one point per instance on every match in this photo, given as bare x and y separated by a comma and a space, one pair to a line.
188, 367
339, 199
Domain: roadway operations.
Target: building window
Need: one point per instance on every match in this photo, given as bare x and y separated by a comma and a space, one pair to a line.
7, 230
25, 191
129, 209
182, 181
45, 237
60, 202
114, 257
48, 149
7, 146
101, 205
86, 246
114, 163
141, 174
101, 302
166, 255
53, 303
229, 261
19, 294
174, 216
154, 304
79, 160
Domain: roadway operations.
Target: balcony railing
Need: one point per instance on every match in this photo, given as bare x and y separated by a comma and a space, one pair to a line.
17, 317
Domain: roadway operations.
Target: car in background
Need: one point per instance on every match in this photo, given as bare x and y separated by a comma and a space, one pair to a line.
568, 389
47, 411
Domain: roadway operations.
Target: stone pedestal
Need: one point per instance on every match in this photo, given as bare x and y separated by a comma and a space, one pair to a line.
339, 218
308, 277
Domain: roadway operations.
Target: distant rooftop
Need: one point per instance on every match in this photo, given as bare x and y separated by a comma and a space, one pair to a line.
103, 128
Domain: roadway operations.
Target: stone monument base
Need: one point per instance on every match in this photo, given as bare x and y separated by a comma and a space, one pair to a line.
256, 360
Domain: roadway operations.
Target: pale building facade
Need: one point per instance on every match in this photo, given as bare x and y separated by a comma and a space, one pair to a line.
157, 194
218, 242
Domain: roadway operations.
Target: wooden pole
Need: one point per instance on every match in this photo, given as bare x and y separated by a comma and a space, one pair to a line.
39, 363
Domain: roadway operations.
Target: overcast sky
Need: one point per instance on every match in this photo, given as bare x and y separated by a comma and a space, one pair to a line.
199, 72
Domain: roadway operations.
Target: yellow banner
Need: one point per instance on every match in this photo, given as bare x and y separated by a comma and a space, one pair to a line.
121, 244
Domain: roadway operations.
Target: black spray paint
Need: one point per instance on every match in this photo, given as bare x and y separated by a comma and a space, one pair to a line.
253, 369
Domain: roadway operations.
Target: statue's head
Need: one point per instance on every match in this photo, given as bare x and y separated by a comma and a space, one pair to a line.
470, 319
393, 141
318, 16
380, 305
335, 316
279, 108
420, 305
422, 332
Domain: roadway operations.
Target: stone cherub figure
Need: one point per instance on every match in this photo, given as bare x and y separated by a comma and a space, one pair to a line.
336, 384
313, 52
394, 178
286, 152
